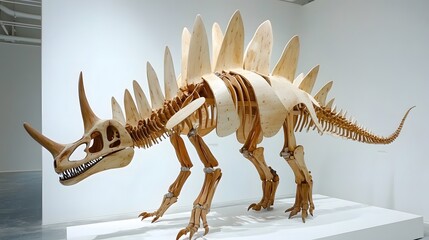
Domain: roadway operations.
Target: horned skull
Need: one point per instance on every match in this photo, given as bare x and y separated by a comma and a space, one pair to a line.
107, 145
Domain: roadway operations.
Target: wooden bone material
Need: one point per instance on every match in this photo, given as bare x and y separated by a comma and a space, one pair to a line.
185, 112
227, 118
271, 111
231, 52
199, 56
170, 83
290, 96
142, 104
117, 113
258, 52
156, 96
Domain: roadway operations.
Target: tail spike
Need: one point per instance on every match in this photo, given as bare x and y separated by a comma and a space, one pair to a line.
231, 52
330, 103
142, 104
307, 83
156, 96
117, 113
323, 93
170, 83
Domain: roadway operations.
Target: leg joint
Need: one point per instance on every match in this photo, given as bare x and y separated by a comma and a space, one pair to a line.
288, 155
199, 206
246, 153
208, 170
169, 195
185, 169
194, 131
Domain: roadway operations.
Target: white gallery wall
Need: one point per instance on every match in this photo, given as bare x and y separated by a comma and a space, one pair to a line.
375, 52
20, 100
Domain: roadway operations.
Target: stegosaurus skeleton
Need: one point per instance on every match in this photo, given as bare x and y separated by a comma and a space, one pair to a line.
234, 94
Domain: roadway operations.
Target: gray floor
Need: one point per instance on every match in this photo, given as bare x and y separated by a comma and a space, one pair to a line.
21, 209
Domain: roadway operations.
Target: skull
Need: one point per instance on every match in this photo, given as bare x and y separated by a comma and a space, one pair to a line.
107, 145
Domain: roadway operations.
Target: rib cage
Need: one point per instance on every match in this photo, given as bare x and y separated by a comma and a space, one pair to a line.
244, 100
151, 130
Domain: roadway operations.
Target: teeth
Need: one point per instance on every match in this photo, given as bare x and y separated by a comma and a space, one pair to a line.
69, 173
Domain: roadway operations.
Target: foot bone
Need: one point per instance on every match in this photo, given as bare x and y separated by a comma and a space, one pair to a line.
198, 213
168, 200
303, 202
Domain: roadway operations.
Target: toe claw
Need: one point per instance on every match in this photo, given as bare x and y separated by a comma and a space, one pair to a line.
289, 209
254, 206
156, 218
181, 233
293, 213
251, 206
144, 215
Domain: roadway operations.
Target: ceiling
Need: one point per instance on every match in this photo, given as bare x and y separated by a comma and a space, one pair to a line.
300, 2
20, 21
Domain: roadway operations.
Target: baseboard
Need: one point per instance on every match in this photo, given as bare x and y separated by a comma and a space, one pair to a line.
21, 171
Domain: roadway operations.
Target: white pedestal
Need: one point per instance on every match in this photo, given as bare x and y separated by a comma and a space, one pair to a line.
333, 219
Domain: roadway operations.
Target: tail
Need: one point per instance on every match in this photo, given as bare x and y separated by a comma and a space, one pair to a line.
337, 124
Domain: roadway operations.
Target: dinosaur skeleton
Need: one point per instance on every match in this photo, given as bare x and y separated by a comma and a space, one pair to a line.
235, 93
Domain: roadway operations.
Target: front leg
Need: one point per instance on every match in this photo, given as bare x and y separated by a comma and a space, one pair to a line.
203, 202
174, 190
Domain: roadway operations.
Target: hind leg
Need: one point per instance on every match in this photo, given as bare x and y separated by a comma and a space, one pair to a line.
294, 156
268, 176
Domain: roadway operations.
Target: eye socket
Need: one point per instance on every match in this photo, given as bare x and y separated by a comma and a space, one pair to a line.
78, 154
96, 143
112, 134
